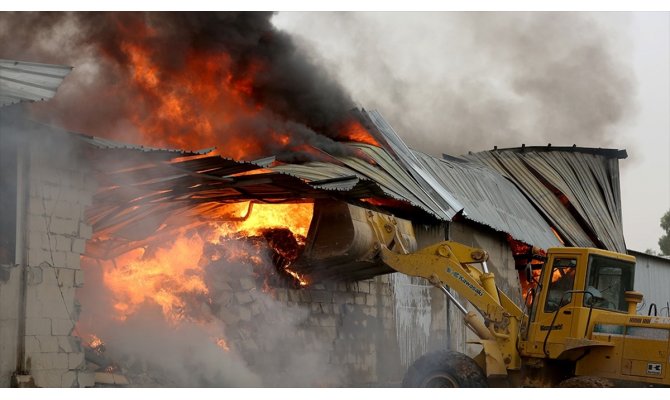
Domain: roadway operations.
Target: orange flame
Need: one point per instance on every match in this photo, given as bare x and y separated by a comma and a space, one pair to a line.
295, 217
172, 276
166, 278
354, 131
221, 342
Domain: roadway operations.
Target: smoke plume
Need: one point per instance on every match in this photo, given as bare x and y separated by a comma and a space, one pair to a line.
191, 80
458, 82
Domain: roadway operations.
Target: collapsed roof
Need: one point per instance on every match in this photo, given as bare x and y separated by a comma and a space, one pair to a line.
527, 193
405, 182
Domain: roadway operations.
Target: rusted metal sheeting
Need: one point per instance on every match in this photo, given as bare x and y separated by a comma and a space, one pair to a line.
490, 199
24, 81
577, 189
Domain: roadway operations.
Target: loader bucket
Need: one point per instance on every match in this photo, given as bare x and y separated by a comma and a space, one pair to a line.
343, 242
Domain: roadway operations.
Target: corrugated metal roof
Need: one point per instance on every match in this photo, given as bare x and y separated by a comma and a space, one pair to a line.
424, 182
24, 81
438, 198
107, 144
577, 189
490, 199
475, 185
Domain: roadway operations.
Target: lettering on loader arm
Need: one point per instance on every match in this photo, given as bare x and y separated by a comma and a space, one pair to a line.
458, 276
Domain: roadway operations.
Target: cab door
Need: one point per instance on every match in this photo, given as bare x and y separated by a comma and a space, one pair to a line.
553, 314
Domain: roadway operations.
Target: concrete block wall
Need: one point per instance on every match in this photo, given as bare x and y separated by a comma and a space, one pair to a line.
59, 192
347, 330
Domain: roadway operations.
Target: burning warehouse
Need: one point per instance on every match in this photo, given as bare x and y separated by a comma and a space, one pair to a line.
257, 262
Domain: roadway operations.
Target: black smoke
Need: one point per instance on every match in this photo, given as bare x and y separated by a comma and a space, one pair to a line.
297, 97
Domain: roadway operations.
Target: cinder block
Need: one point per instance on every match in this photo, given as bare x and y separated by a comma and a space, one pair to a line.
86, 378
75, 360
65, 277
327, 320
61, 326
343, 298
73, 260
78, 278
364, 287
63, 226
62, 243
47, 378
85, 231
38, 240
371, 300
359, 298
69, 344
32, 345
37, 223
69, 379
66, 210
321, 296
78, 245
59, 259
38, 326
293, 295
304, 296
36, 206
38, 256
48, 343
41, 361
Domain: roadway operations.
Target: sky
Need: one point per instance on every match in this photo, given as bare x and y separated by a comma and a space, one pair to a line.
454, 82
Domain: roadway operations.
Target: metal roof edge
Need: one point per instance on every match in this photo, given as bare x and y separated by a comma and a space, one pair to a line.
659, 257
606, 152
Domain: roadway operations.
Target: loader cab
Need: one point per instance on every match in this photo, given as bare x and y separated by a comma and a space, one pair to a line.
575, 285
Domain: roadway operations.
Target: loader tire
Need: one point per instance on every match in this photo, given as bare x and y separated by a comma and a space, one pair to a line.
444, 369
586, 382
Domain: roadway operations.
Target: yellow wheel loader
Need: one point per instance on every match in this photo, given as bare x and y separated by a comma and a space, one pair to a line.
579, 327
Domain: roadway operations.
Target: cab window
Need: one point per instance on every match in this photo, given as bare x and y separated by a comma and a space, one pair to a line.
606, 280
562, 279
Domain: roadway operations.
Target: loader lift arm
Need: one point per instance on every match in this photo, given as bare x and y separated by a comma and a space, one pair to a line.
450, 264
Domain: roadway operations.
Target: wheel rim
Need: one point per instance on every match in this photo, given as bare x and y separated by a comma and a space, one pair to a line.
440, 380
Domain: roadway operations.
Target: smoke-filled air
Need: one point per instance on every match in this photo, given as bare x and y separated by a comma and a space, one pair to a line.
458, 82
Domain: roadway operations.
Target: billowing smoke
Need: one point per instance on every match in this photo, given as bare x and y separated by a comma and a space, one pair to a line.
458, 82
266, 342
191, 80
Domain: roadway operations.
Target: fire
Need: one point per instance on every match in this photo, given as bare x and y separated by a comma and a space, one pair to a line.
301, 280
172, 275
221, 342
95, 342
354, 131
164, 278
209, 99
295, 217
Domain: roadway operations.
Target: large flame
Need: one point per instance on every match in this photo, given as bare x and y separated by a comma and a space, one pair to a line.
165, 278
172, 275
208, 100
